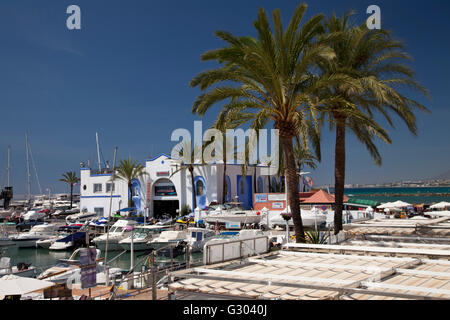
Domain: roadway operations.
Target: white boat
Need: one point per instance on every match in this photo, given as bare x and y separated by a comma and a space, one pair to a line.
309, 219
233, 215
46, 243
33, 215
69, 241
80, 217
117, 233
39, 232
142, 235
67, 269
167, 238
6, 213
197, 237
21, 270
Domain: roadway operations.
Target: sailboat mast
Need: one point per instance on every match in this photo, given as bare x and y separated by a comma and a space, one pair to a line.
9, 165
28, 168
98, 152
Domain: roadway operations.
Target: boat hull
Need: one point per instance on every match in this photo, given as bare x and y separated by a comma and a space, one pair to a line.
113, 245
137, 246
26, 243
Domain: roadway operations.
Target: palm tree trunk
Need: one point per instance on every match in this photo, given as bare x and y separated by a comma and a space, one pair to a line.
339, 173
292, 181
191, 170
270, 185
71, 195
224, 179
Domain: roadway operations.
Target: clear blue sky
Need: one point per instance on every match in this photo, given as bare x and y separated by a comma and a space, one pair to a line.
126, 75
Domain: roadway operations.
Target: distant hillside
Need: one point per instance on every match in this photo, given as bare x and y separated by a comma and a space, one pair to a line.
444, 176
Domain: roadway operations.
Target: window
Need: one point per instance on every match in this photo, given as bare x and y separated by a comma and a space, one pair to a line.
199, 188
109, 185
97, 187
99, 211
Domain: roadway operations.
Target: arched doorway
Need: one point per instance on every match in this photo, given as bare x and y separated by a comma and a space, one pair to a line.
165, 198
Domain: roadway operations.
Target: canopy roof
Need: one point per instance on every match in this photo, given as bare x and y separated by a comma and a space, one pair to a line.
322, 197
13, 285
440, 205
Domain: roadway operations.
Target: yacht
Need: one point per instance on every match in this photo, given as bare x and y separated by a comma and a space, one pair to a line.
167, 238
118, 232
38, 232
34, 214
6, 213
69, 241
46, 243
309, 219
197, 237
142, 235
233, 213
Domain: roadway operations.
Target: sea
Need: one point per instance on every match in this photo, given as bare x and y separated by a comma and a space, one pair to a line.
418, 195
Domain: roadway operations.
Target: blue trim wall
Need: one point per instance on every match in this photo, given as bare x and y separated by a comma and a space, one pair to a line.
88, 197
162, 154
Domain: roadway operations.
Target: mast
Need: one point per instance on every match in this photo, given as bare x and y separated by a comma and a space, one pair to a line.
28, 168
98, 152
9, 165
109, 218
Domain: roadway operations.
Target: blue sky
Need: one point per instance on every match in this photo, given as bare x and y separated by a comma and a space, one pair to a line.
126, 75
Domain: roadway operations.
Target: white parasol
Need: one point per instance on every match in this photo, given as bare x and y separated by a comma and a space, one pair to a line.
11, 285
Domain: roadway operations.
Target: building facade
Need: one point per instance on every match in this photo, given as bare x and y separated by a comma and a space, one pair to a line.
166, 189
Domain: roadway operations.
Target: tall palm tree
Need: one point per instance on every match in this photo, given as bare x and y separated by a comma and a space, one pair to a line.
375, 65
186, 162
271, 81
71, 178
127, 171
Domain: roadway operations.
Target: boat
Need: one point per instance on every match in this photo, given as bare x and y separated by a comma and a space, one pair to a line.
80, 217
232, 213
46, 243
310, 219
197, 237
142, 235
38, 232
67, 269
118, 232
167, 238
21, 269
34, 214
69, 241
6, 213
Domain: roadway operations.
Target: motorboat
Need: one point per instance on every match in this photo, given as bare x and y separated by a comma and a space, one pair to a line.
69, 269
6, 213
69, 241
35, 214
46, 243
118, 232
21, 269
80, 217
310, 219
141, 236
232, 215
38, 232
167, 238
197, 237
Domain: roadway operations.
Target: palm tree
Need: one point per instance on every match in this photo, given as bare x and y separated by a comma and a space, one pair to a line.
71, 178
374, 63
127, 171
186, 162
271, 81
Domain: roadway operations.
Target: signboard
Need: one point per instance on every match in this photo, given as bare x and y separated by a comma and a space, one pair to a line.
88, 267
277, 197
260, 198
163, 173
232, 225
277, 205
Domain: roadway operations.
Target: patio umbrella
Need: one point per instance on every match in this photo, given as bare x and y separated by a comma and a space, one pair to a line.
440, 205
385, 205
400, 204
11, 285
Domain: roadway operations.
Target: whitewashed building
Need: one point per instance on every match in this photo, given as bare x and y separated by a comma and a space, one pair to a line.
163, 191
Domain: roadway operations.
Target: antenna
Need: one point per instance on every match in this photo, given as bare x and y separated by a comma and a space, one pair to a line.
98, 152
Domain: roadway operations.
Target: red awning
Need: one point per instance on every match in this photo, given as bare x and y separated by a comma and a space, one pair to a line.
322, 197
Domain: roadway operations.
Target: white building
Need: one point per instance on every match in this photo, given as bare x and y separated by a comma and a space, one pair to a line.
166, 189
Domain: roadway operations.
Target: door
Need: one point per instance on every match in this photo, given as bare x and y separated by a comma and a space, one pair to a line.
245, 191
